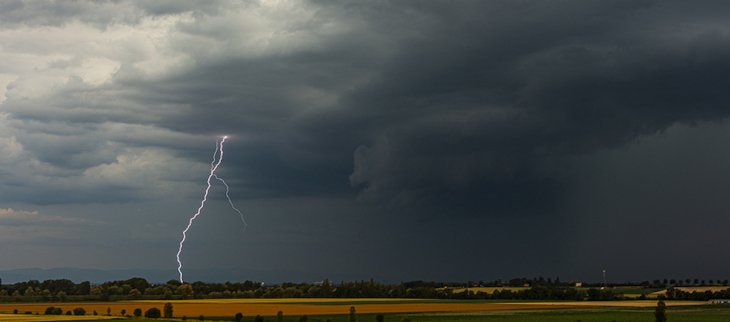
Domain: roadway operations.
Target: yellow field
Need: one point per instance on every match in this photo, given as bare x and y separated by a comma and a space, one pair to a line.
699, 289
288, 300
270, 307
28, 317
489, 290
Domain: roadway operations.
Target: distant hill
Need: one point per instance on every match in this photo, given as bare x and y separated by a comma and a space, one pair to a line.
220, 275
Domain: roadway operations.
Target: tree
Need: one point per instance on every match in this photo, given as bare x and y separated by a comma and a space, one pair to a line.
258, 318
137, 312
115, 290
280, 316
353, 318
661, 312
239, 317
126, 288
109, 311
168, 310
96, 292
186, 290
303, 318
79, 311
49, 310
405, 319
202, 317
152, 313
124, 312
381, 318
134, 293
62, 296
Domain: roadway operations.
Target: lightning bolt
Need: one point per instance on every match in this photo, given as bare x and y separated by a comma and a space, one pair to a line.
213, 166
231, 202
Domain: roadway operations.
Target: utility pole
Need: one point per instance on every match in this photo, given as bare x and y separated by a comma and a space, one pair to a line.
604, 278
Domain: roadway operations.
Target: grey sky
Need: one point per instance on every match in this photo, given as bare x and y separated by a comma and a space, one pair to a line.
446, 140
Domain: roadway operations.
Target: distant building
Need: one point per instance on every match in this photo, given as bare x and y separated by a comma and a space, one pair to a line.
719, 301
576, 283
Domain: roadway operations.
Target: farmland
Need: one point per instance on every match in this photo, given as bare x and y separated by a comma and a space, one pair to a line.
45, 318
335, 307
690, 289
489, 290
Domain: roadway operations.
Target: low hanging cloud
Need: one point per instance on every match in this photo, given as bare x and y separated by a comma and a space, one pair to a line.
10, 213
11, 217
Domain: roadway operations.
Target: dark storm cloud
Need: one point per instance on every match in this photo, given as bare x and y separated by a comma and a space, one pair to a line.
465, 107
572, 80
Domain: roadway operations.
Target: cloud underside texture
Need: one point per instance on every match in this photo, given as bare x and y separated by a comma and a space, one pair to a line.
473, 107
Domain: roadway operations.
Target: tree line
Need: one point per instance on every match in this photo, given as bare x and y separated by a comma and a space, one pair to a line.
139, 288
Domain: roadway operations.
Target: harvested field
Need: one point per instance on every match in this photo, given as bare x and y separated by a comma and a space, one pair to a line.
269, 307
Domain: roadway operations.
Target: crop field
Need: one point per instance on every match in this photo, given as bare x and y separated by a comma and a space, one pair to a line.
634, 290
690, 289
298, 307
677, 314
489, 290
41, 317
702, 313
